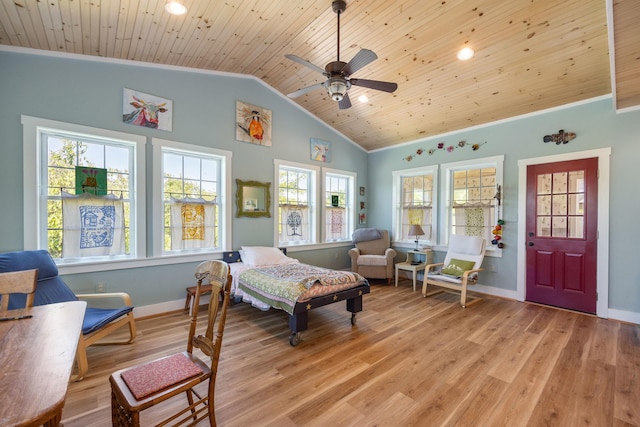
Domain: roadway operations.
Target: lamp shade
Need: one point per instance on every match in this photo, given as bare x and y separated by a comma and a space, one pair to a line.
415, 230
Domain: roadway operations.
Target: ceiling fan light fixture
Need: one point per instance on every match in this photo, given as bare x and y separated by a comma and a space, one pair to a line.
175, 7
337, 88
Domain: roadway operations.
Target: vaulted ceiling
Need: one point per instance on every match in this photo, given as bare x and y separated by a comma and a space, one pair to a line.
530, 54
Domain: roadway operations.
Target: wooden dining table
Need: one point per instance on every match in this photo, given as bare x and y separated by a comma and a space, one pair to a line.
37, 351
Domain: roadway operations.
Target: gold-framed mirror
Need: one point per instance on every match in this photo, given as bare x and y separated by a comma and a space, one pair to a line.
253, 199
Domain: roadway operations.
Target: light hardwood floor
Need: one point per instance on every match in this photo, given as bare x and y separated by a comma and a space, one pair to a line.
409, 361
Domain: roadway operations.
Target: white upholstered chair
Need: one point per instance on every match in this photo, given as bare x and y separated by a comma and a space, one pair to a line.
373, 259
459, 269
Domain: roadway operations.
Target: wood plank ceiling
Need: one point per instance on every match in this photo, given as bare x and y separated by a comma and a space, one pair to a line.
530, 54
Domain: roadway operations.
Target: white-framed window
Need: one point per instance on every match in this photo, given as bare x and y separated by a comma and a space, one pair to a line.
415, 200
470, 206
339, 210
297, 203
192, 187
56, 155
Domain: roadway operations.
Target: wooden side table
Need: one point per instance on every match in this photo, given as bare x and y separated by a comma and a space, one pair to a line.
416, 261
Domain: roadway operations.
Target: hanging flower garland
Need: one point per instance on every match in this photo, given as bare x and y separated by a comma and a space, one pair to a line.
441, 146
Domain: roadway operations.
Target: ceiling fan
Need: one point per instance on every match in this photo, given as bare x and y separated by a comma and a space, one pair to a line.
338, 73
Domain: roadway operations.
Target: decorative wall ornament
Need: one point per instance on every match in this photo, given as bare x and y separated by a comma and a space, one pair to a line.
497, 230
253, 124
561, 137
442, 146
147, 110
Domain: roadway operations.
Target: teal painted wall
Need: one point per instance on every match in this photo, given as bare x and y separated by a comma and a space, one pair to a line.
86, 92
89, 92
596, 125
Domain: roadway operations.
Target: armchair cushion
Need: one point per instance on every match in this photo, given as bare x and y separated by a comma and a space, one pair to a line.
373, 260
97, 318
50, 288
457, 267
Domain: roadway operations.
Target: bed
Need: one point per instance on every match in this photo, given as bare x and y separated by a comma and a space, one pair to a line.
266, 278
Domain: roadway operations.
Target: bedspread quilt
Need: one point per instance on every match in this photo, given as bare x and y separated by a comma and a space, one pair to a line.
280, 286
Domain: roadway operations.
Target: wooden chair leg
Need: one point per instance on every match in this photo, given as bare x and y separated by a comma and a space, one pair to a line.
463, 296
132, 327
81, 360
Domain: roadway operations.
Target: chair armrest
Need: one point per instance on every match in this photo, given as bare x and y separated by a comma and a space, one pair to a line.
466, 274
390, 253
430, 266
354, 252
126, 299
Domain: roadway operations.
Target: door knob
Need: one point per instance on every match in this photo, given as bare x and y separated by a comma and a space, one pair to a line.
530, 243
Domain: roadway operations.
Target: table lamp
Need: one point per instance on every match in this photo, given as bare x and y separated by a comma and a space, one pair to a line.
415, 230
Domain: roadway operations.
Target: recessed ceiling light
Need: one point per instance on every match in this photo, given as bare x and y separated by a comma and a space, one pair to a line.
465, 54
175, 7
363, 98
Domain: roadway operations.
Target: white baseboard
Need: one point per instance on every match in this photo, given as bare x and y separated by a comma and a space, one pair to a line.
163, 307
624, 316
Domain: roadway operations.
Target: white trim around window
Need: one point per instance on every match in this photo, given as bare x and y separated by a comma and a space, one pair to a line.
350, 201
224, 197
448, 169
396, 216
35, 209
313, 200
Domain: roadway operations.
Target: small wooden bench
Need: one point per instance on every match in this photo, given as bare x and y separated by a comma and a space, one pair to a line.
191, 293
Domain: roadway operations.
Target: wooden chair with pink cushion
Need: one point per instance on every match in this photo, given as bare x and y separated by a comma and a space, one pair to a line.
143, 386
18, 282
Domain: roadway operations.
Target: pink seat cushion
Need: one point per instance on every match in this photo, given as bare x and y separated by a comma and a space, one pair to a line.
152, 377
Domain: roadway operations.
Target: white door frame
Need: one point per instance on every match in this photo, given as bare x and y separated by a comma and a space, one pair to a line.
602, 275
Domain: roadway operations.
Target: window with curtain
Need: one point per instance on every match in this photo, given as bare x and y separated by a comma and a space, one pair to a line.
472, 208
339, 202
191, 183
97, 173
415, 198
296, 207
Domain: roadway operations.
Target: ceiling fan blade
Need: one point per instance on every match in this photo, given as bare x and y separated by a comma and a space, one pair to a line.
362, 58
304, 90
304, 62
345, 103
375, 84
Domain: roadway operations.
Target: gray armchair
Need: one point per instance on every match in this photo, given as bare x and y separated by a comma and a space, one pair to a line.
373, 259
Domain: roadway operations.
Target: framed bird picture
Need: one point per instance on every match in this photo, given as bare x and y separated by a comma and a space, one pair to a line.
253, 124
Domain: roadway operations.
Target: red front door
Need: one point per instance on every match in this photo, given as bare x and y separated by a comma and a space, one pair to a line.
562, 206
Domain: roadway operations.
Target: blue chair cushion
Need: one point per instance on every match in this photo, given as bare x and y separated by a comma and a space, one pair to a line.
96, 318
52, 289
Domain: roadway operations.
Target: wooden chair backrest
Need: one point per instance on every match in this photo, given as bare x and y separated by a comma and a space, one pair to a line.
219, 276
467, 248
18, 282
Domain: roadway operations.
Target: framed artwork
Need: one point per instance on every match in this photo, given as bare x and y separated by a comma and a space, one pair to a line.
362, 191
253, 124
91, 180
146, 110
320, 150
361, 205
335, 200
363, 218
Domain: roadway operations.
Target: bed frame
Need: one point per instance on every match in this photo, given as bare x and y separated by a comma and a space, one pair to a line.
298, 321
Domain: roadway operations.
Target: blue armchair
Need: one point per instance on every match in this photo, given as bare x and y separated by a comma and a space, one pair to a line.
98, 322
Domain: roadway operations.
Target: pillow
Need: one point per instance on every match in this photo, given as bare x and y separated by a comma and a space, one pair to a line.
263, 255
457, 267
